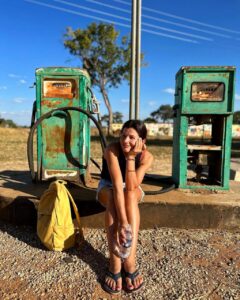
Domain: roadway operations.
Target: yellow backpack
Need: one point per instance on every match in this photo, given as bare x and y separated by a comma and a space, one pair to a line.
55, 226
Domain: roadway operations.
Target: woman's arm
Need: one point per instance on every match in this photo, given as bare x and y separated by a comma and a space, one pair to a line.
111, 156
134, 177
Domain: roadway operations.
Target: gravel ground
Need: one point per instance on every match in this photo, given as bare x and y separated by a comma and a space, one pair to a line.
175, 264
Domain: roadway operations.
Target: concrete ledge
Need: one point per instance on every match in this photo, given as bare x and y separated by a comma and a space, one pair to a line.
170, 213
183, 215
177, 208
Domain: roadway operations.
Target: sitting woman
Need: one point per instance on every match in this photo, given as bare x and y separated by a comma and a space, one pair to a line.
124, 166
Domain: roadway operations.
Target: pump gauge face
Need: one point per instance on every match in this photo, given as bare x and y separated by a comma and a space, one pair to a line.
207, 91
60, 88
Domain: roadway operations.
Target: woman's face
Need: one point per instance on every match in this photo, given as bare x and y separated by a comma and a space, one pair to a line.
128, 139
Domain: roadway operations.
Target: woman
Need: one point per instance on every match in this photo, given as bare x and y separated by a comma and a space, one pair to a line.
124, 166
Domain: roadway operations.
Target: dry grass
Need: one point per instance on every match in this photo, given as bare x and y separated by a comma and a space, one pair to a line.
13, 144
13, 149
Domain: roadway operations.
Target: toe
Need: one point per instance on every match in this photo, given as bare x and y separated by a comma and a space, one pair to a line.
110, 283
138, 282
130, 286
115, 286
119, 284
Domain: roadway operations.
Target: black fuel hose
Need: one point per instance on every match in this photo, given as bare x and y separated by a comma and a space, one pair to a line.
47, 115
160, 179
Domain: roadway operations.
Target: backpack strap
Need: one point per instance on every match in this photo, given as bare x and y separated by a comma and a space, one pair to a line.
63, 182
74, 208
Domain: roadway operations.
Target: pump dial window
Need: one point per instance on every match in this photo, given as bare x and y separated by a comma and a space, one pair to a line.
60, 88
207, 91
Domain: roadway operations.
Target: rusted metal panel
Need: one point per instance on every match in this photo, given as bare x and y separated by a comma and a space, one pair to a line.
59, 89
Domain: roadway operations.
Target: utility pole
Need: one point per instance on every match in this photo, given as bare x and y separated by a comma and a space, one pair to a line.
135, 60
138, 59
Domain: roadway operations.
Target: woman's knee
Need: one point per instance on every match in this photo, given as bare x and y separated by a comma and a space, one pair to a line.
105, 197
132, 195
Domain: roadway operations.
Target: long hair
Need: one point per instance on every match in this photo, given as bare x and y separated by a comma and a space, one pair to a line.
138, 125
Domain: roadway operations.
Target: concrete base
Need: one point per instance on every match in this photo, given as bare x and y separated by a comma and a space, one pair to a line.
19, 199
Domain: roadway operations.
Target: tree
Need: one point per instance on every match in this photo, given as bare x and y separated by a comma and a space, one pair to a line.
7, 123
107, 63
117, 118
105, 119
164, 113
150, 120
236, 117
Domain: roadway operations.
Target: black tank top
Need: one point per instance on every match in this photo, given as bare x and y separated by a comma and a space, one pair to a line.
122, 163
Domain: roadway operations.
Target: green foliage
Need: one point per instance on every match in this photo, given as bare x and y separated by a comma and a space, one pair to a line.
163, 113
7, 123
97, 48
236, 117
117, 118
150, 120
107, 63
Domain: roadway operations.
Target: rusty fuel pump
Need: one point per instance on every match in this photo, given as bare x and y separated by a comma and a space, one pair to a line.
204, 97
63, 109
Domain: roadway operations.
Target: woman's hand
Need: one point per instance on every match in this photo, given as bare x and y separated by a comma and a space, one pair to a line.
125, 234
138, 148
122, 235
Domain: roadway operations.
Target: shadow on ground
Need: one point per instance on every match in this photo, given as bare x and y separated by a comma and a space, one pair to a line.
21, 209
85, 251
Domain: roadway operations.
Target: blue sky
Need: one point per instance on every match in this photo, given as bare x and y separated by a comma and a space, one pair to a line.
174, 34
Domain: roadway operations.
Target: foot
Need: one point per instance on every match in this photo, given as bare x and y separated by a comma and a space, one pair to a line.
113, 283
134, 281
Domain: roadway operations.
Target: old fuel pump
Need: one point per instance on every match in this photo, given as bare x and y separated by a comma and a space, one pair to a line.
63, 108
204, 95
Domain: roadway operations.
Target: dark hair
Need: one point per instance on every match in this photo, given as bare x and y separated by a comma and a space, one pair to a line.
138, 125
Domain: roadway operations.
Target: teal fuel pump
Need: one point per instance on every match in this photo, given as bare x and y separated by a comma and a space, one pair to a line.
204, 95
63, 109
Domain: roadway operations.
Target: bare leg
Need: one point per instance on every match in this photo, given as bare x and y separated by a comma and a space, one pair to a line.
131, 202
111, 224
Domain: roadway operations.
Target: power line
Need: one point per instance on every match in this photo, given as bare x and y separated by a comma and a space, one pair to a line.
128, 19
109, 21
182, 18
160, 20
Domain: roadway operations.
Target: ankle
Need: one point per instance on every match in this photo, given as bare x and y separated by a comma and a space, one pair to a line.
129, 266
114, 268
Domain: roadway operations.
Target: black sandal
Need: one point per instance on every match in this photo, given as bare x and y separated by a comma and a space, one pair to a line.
115, 277
132, 276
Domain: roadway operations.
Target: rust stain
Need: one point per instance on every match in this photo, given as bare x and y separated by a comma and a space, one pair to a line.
50, 103
56, 103
55, 139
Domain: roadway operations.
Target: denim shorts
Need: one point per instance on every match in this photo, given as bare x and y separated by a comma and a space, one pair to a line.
107, 183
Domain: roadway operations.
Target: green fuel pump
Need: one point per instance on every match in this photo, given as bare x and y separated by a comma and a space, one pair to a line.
63, 109
204, 95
